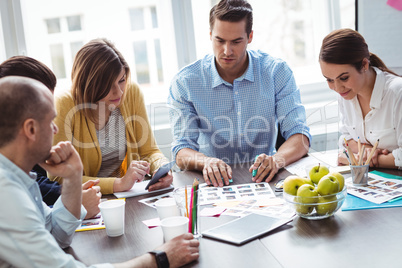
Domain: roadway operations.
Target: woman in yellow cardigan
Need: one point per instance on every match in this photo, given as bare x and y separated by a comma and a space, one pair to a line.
104, 117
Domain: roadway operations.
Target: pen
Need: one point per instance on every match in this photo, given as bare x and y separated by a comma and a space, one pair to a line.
91, 184
255, 170
395, 199
347, 156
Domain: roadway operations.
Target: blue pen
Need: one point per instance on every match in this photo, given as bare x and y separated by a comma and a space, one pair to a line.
395, 199
230, 180
347, 156
255, 170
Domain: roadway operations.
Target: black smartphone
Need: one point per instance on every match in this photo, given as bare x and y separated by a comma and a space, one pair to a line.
161, 172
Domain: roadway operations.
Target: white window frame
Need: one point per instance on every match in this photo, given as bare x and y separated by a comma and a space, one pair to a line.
185, 46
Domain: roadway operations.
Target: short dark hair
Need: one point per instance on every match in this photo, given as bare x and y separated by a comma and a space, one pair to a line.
232, 11
20, 99
28, 67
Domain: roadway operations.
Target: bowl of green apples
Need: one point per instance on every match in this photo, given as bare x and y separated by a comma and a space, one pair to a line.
315, 201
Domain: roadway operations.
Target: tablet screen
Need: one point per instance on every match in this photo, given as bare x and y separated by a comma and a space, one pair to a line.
244, 229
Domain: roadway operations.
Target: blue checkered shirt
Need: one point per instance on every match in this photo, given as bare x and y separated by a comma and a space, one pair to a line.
235, 122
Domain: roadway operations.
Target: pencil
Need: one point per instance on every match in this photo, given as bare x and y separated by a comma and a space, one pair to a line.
190, 217
359, 144
361, 154
372, 152
194, 208
351, 155
185, 193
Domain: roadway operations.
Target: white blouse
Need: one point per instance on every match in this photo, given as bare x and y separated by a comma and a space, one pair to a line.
383, 122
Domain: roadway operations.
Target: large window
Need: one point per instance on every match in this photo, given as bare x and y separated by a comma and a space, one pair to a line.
143, 31
292, 30
151, 37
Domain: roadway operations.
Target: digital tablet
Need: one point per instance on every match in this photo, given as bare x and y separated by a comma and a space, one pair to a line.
245, 229
161, 172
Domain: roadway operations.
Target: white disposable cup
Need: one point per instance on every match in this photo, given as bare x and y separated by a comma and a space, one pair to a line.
166, 207
113, 216
174, 226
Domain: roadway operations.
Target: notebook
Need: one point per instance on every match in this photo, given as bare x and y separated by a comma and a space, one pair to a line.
245, 229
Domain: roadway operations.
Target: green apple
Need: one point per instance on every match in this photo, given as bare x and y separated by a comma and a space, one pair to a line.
292, 183
340, 179
306, 194
328, 185
323, 207
317, 172
308, 181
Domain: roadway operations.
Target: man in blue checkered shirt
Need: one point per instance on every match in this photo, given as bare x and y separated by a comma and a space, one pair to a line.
226, 107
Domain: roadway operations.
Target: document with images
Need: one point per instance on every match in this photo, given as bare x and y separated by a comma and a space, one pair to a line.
94, 223
150, 201
211, 195
378, 190
273, 207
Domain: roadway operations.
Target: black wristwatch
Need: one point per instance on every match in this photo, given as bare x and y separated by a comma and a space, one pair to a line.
161, 258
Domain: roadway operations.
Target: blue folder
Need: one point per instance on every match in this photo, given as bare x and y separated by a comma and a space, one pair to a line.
355, 203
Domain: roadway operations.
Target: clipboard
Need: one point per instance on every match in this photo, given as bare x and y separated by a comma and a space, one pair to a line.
245, 229
161, 172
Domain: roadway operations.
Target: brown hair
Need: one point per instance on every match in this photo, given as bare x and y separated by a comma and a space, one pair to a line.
28, 67
232, 11
346, 46
96, 67
20, 99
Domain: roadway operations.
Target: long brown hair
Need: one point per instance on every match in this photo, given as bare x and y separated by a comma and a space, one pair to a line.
232, 11
346, 46
96, 67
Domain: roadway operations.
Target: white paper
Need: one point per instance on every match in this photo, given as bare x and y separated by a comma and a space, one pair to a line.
328, 158
139, 189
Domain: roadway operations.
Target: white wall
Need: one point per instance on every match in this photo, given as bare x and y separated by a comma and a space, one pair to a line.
381, 26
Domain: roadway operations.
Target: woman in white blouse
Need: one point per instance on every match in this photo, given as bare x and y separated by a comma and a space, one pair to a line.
370, 97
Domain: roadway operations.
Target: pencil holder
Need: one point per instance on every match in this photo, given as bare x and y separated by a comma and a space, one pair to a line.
188, 204
359, 174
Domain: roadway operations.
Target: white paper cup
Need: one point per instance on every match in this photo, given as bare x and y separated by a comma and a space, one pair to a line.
174, 226
113, 216
166, 207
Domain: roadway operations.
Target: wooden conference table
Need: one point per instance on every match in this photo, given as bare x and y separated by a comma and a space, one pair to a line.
360, 238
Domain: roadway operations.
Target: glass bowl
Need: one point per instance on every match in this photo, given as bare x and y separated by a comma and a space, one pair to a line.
316, 208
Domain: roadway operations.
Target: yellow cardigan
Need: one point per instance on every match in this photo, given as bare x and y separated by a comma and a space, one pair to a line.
75, 127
